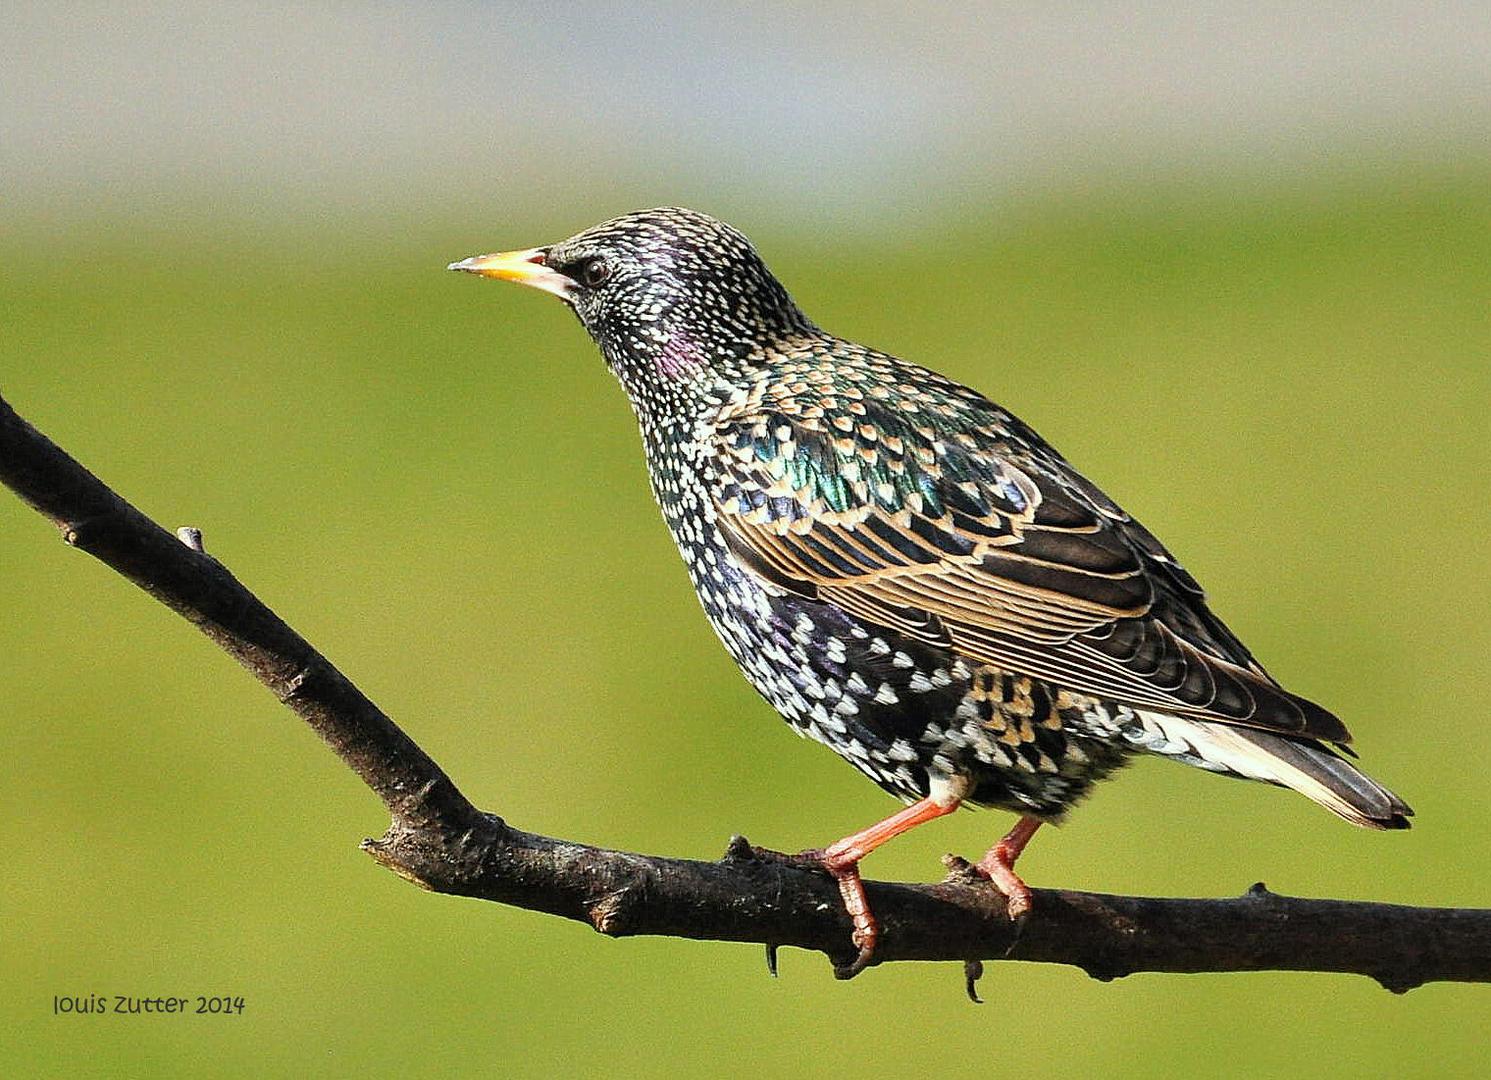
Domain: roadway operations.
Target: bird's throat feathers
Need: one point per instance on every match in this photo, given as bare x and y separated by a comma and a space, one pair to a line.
666, 364
671, 365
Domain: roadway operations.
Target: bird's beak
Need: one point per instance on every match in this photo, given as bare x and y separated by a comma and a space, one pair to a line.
525, 267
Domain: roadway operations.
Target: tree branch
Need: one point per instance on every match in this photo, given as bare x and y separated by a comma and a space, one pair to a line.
438, 840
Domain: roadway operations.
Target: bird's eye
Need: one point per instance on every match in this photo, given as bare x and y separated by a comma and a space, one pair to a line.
594, 272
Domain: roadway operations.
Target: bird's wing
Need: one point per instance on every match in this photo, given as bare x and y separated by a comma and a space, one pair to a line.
946, 519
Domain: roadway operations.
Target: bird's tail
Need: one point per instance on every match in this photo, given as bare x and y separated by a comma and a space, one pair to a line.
1306, 766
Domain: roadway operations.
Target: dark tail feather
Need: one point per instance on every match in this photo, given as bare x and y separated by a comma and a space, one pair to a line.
1309, 767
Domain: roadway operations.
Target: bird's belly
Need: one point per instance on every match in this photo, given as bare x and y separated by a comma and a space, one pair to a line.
900, 710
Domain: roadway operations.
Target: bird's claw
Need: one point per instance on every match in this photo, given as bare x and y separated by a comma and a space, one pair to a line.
973, 971
866, 933
863, 959
1017, 903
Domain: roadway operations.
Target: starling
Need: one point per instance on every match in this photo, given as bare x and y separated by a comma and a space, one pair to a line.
906, 571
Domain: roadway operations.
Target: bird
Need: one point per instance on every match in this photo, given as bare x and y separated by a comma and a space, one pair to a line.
907, 572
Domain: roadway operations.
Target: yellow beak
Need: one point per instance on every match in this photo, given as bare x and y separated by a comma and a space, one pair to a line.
525, 267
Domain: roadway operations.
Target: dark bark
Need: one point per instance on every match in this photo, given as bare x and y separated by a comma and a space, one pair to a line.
438, 840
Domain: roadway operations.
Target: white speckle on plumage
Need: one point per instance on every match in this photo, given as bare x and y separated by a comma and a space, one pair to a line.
901, 750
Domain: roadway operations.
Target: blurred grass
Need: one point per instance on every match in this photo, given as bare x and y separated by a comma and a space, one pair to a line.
436, 481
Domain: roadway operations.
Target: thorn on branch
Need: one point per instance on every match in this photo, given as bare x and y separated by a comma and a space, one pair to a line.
77, 533
608, 914
293, 685
960, 871
1399, 983
771, 955
192, 538
385, 853
495, 823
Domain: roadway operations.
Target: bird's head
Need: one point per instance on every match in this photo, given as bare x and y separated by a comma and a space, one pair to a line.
669, 294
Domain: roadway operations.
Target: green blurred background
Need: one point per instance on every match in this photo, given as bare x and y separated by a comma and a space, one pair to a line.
1236, 269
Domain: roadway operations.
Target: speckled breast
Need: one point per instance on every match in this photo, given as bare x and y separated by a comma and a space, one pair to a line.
895, 708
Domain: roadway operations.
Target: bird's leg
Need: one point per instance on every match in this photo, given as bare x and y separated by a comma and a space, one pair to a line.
999, 867
841, 860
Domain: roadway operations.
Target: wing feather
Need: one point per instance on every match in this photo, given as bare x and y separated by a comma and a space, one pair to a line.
954, 524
